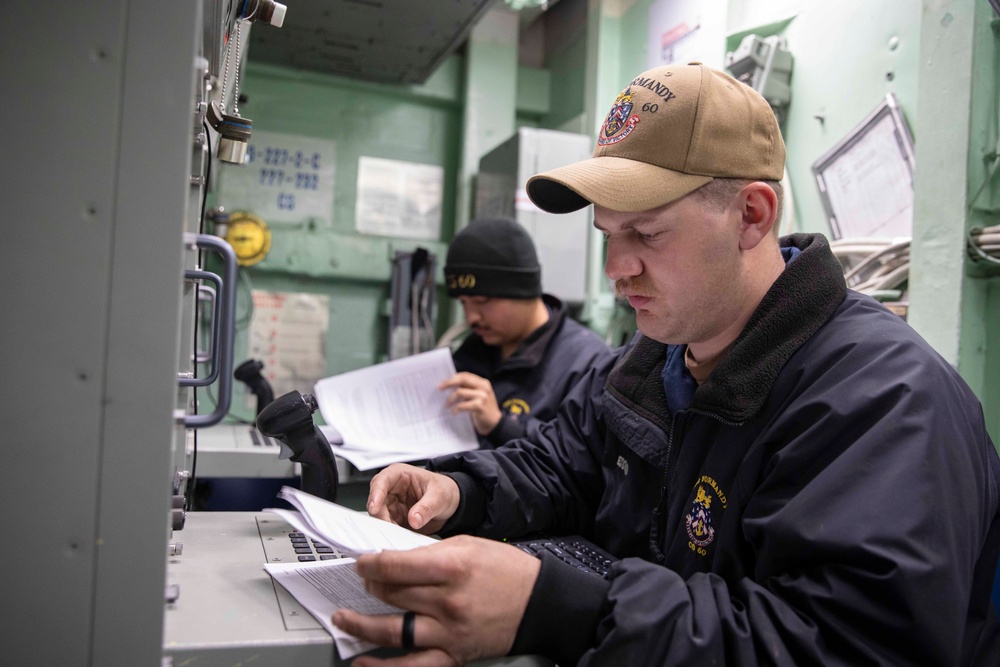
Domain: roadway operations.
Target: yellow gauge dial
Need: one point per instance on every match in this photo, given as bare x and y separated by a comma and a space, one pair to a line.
249, 236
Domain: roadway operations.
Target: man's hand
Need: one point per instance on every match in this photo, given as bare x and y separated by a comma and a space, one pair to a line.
469, 595
413, 497
474, 395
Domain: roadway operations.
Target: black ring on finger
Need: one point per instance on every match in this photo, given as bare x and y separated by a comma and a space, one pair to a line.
408, 623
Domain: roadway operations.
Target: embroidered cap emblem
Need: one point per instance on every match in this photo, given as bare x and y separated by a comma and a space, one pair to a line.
619, 123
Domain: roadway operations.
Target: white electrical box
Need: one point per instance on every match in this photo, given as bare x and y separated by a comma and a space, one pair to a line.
560, 239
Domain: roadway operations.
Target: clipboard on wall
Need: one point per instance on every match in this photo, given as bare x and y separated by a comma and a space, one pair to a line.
866, 180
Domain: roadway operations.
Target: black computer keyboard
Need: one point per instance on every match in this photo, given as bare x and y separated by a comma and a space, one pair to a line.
573, 550
307, 549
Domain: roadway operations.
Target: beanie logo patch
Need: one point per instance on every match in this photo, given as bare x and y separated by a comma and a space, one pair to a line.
461, 281
619, 123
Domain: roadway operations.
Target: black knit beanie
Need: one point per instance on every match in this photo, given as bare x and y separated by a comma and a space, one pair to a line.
493, 257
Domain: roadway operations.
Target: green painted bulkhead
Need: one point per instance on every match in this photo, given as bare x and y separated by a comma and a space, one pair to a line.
562, 70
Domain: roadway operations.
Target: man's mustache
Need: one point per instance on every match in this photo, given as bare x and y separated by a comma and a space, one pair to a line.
626, 287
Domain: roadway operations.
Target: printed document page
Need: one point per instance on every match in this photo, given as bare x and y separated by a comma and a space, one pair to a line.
364, 459
395, 410
323, 587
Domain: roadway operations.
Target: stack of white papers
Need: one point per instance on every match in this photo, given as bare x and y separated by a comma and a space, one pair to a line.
323, 587
393, 412
350, 531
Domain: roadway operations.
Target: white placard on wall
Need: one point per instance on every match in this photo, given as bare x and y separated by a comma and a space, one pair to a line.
866, 180
400, 199
286, 179
288, 334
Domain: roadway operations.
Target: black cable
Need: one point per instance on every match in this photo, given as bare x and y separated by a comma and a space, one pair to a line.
208, 176
244, 321
192, 481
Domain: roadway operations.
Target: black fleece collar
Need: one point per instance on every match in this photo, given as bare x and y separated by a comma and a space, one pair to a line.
800, 301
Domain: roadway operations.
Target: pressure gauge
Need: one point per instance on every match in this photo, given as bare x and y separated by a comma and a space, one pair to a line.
249, 236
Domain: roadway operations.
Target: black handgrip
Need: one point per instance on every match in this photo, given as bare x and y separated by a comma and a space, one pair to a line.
249, 373
289, 419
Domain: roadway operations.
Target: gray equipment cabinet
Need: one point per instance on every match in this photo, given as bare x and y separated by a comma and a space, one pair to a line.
97, 105
560, 240
104, 159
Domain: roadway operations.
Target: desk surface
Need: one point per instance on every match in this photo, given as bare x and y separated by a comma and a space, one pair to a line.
229, 611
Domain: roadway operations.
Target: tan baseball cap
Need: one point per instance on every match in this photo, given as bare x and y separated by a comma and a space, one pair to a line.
670, 131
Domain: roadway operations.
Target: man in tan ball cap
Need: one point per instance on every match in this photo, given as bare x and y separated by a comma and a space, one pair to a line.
786, 472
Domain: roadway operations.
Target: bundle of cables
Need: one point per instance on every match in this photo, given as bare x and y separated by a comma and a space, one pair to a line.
984, 244
878, 267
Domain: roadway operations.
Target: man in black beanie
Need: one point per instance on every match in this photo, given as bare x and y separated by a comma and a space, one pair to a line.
523, 354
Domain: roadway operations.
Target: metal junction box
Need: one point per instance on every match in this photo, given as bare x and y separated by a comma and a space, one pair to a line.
561, 240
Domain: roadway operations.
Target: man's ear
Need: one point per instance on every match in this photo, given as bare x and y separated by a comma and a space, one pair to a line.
758, 205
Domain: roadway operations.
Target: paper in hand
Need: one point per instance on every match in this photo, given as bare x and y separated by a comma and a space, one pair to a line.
323, 587
350, 531
395, 409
